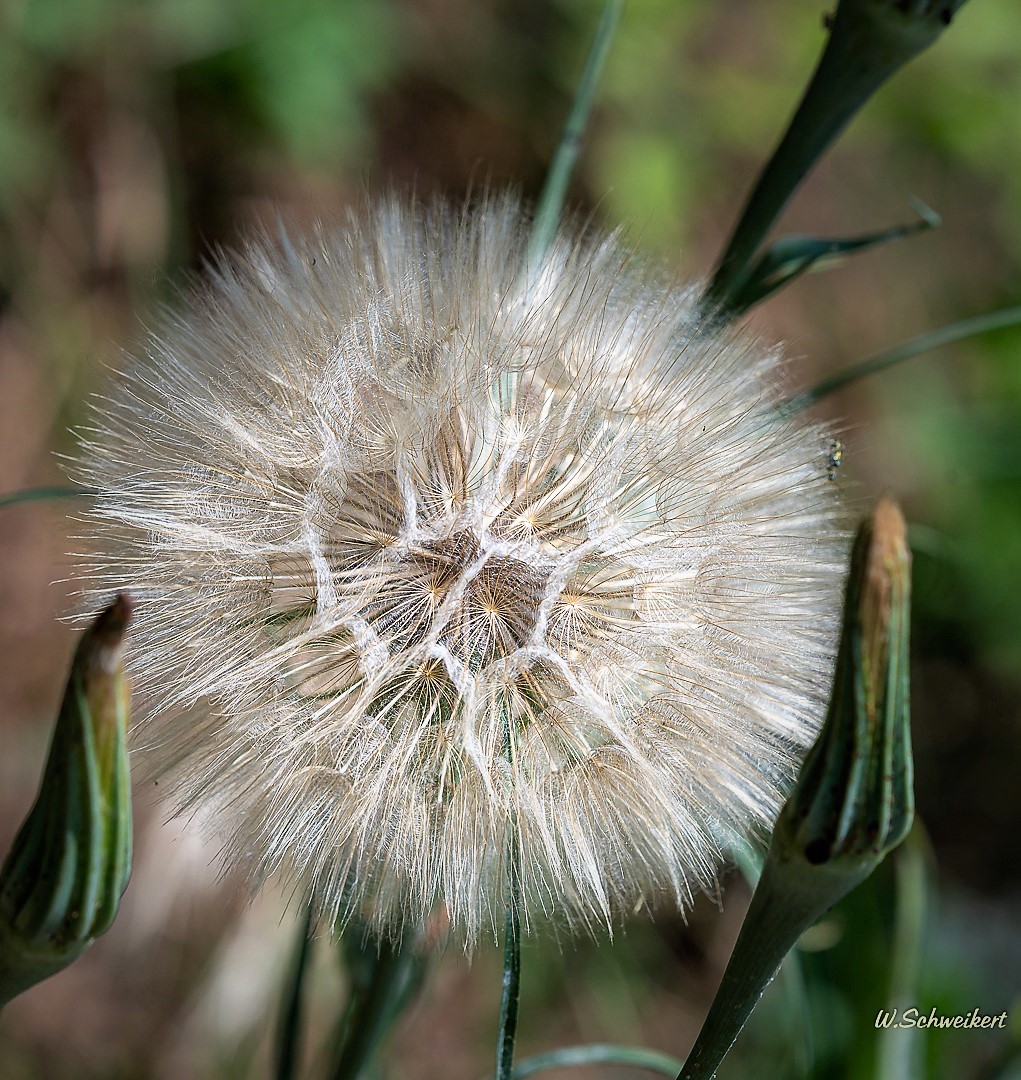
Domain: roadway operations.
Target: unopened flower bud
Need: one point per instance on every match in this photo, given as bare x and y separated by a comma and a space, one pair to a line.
854, 799
61, 884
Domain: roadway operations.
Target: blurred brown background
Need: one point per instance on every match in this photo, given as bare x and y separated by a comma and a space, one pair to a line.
138, 135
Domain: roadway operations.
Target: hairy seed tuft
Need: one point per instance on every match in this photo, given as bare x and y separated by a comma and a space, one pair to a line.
427, 554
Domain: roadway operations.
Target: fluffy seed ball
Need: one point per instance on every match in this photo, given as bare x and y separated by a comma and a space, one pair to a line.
433, 557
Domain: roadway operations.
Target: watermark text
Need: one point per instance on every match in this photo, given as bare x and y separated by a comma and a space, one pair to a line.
916, 1018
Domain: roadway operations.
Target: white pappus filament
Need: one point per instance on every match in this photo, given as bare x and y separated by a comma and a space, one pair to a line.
424, 557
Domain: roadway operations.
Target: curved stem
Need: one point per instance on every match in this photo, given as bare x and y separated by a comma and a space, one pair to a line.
387, 976
932, 339
869, 41
38, 494
289, 1024
554, 190
599, 1054
776, 919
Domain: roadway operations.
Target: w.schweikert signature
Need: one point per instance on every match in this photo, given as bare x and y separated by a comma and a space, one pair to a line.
915, 1018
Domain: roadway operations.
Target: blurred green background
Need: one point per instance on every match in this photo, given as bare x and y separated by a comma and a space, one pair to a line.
136, 136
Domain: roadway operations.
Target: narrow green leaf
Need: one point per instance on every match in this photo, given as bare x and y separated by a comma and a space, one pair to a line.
899, 1052
567, 1057
384, 978
932, 339
791, 256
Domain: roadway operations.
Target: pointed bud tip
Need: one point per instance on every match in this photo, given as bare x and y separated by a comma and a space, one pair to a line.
885, 577
889, 532
115, 617
103, 642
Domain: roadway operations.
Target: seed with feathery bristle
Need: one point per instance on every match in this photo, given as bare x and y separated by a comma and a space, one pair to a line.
427, 553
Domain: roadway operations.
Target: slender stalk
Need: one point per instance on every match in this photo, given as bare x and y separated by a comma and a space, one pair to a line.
511, 989
38, 494
932, 339
551, 200
868, 42
790, 977
511, 985
776, 919
289, 1024
384, 980
599, 1054
898, 1052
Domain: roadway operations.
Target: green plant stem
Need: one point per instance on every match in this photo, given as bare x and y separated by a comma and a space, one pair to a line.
790, 977
932, 339
289, 1029
776, 918
38, 494
551, 200
511, 987
598, 1054
868, 42
381, 988
898, 1048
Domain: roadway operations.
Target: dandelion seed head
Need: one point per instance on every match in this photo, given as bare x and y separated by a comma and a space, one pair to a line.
429, 554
